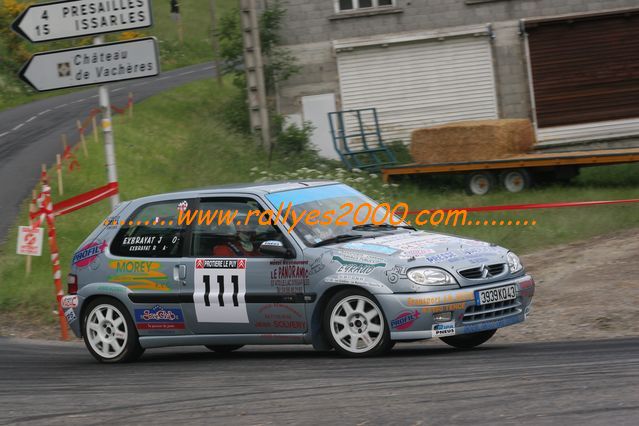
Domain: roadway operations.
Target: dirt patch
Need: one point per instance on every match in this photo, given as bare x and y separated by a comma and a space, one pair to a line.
585, 290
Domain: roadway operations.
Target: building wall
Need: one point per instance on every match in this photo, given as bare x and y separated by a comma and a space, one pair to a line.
311, 25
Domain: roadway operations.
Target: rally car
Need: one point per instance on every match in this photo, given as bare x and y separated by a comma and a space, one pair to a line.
146, 279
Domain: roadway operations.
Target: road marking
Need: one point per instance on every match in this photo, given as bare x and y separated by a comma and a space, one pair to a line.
163, 78
187, 73
31, 119
141, 84
208, 68
3, 134
44, 112
94, 96
60, 106
18, 126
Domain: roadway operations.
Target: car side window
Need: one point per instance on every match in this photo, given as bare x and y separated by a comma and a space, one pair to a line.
152, 231
231, 229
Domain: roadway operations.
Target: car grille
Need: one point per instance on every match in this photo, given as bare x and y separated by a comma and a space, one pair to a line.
491, 311
477, 273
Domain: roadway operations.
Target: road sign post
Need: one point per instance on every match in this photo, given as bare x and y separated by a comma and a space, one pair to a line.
80, 18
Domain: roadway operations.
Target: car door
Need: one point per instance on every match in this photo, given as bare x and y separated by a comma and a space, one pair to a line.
146, 256
234, 287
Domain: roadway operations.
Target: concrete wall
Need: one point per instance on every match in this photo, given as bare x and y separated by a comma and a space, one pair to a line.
311, 25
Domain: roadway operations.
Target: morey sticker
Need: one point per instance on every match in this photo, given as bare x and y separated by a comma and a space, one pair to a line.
220, 290
159, 318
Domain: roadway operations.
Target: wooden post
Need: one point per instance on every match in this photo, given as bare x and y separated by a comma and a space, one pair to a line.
58, 161
94, 124
43, 174
130, 105
64, 141
32, 209
215, 43
83, 140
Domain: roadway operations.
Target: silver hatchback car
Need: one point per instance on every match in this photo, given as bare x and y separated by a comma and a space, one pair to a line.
148, 278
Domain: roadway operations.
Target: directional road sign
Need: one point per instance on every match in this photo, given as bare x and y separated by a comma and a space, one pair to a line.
79, 18
96, 64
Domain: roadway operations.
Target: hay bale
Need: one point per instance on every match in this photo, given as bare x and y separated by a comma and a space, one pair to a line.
472, 141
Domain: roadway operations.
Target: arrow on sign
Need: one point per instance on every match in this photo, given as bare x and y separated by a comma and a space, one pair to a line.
79, 18
97, 64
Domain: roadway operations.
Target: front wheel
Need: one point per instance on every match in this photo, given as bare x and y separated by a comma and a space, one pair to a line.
109, 332
355, 324
469, 341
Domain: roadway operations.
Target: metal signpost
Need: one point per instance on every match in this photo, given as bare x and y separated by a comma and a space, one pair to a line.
100, 63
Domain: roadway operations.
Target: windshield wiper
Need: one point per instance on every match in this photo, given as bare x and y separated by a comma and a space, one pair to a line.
373, 226
338, 239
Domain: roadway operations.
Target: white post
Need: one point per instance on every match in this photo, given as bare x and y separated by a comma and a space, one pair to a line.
109, 142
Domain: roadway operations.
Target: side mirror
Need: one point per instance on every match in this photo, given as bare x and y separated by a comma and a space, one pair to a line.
275, 248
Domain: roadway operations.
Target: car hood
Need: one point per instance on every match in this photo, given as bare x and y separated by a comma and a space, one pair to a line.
419, 248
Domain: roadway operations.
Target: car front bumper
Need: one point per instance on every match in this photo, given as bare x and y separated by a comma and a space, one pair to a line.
414, 316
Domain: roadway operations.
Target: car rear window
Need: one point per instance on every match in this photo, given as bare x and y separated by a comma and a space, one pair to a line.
151, 231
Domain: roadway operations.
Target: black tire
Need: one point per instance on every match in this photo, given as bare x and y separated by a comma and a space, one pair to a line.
131, 343
382, 342
469, 341
480, 183
223, 349
515, 180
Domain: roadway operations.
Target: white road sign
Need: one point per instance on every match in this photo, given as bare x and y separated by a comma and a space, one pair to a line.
80, 18
97, 64
30, 241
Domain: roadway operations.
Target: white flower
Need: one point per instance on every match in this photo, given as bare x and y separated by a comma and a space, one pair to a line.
394, 185
254, 169
372, 176
355, 170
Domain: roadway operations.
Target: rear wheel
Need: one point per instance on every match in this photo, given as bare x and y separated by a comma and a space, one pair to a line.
109, 332
480, 183
355, 324
515, 180
469, 341
223, 349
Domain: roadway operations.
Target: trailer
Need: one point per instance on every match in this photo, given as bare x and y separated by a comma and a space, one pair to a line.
518, 172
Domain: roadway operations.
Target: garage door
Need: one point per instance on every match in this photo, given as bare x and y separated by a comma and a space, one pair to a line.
420, 83
585, 75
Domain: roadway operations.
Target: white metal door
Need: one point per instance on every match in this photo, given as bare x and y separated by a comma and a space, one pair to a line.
316, 109
420, 84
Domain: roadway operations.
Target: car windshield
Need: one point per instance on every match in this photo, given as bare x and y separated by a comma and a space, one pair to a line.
332, 213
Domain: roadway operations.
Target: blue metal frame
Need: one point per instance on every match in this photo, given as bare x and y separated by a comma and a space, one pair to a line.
377, 154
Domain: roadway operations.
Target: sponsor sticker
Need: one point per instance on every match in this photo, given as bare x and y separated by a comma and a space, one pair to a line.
70, 301
444, 329
405, 320
159, 318
139, 275
356, 267
375, 248
87, 254
69, 314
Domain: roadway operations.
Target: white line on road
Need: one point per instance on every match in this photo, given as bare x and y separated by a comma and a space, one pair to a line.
141, 84
18, 126
44, 112
118, 89
3, 134
163, 78
208, 68
186, 73
94, 96
60, 106
31, 119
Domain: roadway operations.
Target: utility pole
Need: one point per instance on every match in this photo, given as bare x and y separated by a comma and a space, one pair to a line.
109, 142
215, 42
258, 108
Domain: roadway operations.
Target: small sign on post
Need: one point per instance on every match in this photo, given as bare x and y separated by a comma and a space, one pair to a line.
30, 241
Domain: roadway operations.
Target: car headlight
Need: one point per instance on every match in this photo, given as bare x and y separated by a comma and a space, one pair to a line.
514, 263
430, 276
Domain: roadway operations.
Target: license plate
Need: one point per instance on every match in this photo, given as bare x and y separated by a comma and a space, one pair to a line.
495, 295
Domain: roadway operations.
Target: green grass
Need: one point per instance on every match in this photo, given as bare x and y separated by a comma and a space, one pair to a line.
177, 140
195, 48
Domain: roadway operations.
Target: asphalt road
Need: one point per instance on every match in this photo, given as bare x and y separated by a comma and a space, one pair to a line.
577, 383
30, 134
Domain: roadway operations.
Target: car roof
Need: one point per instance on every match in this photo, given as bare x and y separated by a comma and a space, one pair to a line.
259, 188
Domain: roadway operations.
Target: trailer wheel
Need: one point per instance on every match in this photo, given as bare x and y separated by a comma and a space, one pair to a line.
515, 180
480, 183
